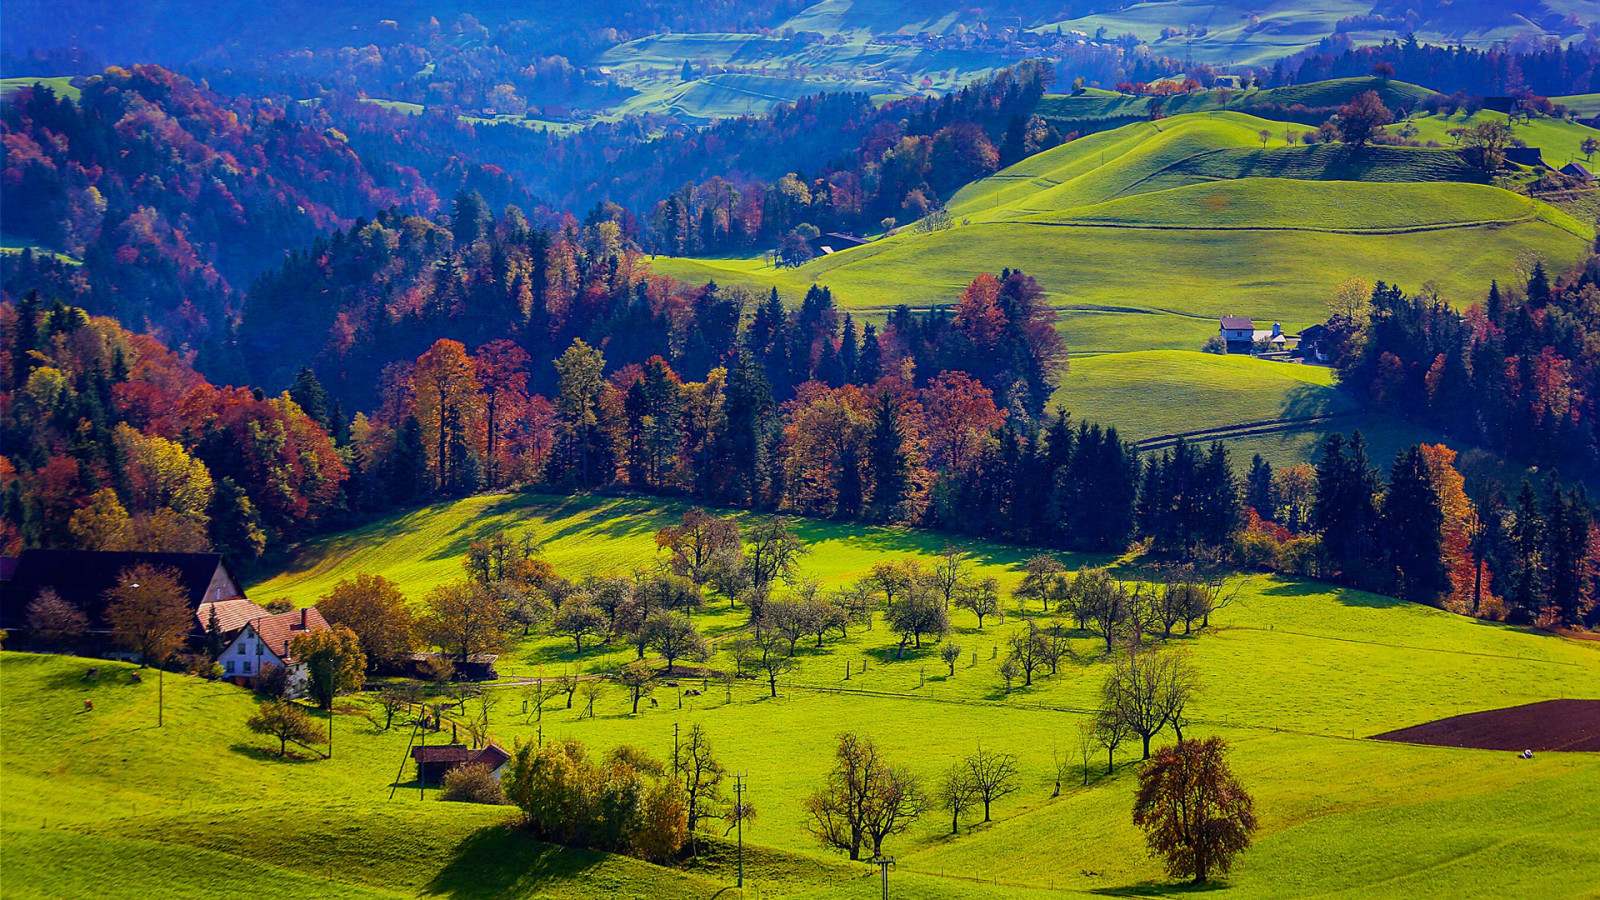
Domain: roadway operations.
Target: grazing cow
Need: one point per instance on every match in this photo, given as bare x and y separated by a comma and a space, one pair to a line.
653, 703
691, 692
88, 706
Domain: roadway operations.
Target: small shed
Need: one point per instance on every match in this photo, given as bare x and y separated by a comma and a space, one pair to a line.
1577, 170
433, 763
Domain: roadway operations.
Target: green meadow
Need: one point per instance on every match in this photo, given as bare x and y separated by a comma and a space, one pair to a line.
1296, 675
1106, 222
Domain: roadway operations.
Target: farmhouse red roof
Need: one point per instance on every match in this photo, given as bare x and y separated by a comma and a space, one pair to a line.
232, 614
277, 631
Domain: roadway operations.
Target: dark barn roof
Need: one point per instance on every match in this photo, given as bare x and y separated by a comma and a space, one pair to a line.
83, 577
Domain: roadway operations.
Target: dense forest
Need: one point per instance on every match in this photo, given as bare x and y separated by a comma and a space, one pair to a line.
1547, 68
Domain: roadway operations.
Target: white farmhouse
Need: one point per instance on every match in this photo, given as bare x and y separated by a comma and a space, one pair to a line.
266, 641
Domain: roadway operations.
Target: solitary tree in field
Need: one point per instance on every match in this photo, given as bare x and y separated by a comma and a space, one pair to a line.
1362, 118
148, 613
956, 794
636, 677
982, 597
284, 721
992, 775
864, 800
1265, 136
1589, 146
1194, 812
950, 653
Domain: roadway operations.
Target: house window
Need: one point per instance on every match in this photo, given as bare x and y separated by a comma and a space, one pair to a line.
247, 667
230, 667
241, 649
258, 648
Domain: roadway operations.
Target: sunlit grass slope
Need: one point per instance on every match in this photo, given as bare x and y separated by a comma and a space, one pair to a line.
1143, 235
1294, 674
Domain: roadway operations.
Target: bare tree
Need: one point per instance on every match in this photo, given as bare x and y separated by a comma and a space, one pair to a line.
592, 690
1110, 731
864, 801
638, 679
993, 775
397, 698
772, 657
950, 572
1147, 690
1028, 649
956, 794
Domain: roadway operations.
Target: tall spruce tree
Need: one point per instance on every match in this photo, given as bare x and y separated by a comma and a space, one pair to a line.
1412, 530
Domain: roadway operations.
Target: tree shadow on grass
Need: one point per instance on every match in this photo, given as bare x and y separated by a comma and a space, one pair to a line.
1346, 596
501, 861
267, 754
1161, 889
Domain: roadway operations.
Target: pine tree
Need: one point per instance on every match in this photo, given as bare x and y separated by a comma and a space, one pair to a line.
1412, 530
1528, 540
887, 457
1258, 487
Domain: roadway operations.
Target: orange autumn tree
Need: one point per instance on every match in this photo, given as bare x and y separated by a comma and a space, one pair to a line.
824, 448
1470, 590
959, 412
447, 400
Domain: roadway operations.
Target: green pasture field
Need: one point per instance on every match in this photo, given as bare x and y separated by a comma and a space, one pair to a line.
1144, 235
1093, 105
62, 85
1294, 674
1559, 139
1285, 27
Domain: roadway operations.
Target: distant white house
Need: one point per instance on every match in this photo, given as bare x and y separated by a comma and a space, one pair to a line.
266, 641
1238, 328
1241, 335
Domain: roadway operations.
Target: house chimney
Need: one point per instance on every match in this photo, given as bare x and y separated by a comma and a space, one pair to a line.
303, 614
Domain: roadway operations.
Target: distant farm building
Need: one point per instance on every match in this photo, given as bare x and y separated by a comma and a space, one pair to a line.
433, 763
1526, 156
1241, 335
834, 241
1577, 170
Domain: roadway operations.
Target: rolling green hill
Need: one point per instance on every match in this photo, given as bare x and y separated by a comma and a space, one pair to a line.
1294, 675
1106, 222
1259, 33
1092, 110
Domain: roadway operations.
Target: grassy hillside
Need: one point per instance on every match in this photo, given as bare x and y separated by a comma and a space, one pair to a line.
1294, 676
1259, 33
1083, 111
61, 85
1105, 223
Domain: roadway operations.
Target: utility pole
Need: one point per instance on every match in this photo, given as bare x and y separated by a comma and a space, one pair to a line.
738, 808
883, 863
